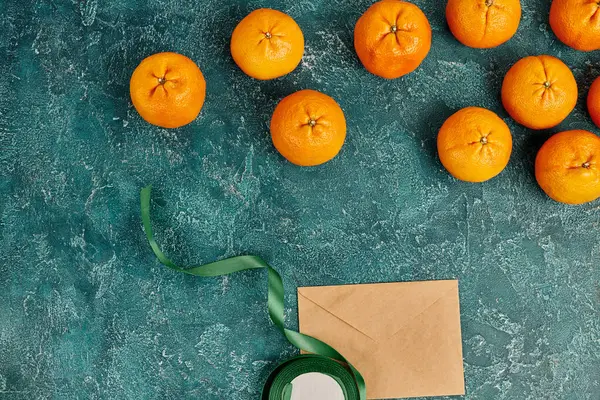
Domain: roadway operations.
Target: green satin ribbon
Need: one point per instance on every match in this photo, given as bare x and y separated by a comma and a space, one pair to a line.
275, 293
279, 383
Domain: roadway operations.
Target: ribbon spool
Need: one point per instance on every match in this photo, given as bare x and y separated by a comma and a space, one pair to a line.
279, 384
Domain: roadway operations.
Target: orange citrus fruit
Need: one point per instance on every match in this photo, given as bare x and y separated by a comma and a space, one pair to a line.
267, 44
483, 24
474, 144
567, 167
392, 38
593, 102
168, 90
576, 23
539, 92
308, 128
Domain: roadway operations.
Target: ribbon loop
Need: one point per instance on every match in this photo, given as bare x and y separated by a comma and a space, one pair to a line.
275, 301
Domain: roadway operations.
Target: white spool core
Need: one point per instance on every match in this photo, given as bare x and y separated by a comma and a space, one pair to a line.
316, 386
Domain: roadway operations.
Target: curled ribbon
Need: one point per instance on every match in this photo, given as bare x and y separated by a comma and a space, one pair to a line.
275, 301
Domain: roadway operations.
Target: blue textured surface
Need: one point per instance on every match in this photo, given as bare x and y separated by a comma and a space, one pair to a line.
86, 312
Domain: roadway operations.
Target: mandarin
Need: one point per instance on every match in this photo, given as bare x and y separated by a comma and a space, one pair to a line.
167, 90
474, 144
267, 44
593, 101
567, 167
576, 23
539, 92
308, 128
392, 38
483, 23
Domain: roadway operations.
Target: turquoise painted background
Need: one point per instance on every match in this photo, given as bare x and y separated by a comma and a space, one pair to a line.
86, 312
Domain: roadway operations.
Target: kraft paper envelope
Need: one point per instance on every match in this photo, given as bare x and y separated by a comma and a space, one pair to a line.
404, 338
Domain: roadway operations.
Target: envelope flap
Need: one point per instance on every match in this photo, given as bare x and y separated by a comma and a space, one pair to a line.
379, 310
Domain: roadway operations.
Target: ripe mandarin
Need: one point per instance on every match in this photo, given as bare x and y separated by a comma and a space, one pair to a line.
474, 144
392, 38
539, 92
483, 23
267, 44
567, 167
308, 128
576, 23
593, 101
167, 90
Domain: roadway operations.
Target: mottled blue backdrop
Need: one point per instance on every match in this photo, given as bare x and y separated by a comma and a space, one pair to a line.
86, 312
